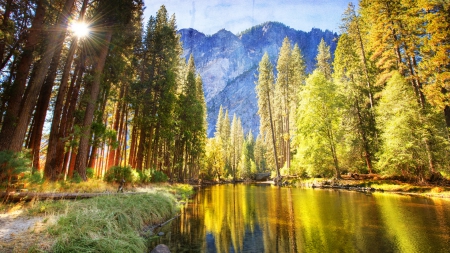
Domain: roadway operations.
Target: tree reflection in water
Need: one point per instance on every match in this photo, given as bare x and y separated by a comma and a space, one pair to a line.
251, 218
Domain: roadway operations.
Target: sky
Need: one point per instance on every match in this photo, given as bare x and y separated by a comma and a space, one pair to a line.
210, 16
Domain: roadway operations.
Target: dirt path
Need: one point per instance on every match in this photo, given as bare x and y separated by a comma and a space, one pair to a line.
19, 232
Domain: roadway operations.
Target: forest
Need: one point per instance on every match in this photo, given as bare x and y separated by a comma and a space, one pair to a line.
379, 106
88, 90
116, 96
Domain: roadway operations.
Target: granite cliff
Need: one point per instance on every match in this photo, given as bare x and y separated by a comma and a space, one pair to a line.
228, 64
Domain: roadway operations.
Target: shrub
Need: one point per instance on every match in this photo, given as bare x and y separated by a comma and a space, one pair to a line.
90, 173
158, 177
116, 173
36, 177
145, 176
13, 165
76, 178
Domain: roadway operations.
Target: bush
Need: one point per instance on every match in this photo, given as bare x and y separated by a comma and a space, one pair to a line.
90, 173
158, 177
145, 176
76, 178
36, 177
117, 173
13, 165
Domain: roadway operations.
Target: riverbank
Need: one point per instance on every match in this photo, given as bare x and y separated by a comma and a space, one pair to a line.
437, 188
376, 183
107, 223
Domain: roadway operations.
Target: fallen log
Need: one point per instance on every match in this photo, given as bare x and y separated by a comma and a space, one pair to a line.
28, 196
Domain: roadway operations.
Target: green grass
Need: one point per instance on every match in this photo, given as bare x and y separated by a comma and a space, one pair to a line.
110, 223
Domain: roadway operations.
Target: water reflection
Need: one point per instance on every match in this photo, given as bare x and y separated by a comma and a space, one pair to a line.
250, 218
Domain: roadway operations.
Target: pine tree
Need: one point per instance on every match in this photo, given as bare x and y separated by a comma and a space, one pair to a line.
323, 59
264, 91
259, 153
434, 67
234, 143
403, 147
290, 69
17, 89
350, 78
318, 124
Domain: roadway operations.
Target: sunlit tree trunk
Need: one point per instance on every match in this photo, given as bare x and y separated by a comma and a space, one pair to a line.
18, 87
80, 164
55, 40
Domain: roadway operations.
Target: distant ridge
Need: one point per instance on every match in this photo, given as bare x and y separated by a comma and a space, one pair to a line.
228, 64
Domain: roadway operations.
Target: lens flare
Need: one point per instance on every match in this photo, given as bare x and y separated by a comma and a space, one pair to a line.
80, 29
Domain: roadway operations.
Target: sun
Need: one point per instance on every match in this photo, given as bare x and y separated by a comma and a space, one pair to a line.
80, 29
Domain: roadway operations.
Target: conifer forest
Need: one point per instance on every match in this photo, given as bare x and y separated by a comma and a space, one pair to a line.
87, 89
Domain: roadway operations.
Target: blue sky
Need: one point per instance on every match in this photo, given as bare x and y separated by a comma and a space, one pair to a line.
209, 16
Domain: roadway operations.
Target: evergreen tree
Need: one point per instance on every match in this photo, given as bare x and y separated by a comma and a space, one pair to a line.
318, 124
434, 67
403, 133
247, 165
260, 153
290, 69
323, 59
234, 143
349, 76
264, 92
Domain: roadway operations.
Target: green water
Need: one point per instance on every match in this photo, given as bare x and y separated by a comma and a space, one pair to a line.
251, 218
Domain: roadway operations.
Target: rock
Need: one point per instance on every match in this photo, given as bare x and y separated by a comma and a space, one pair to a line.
228, 65
161, 233
435, 177
161, 248
262, 176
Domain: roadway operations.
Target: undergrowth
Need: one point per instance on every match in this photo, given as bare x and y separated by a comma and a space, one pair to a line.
110, 223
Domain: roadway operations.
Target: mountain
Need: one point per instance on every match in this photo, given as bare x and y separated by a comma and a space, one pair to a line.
228, 64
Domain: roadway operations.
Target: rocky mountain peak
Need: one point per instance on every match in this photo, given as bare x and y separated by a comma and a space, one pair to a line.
228, 64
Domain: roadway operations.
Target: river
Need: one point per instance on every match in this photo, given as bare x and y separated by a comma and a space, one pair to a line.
265, 218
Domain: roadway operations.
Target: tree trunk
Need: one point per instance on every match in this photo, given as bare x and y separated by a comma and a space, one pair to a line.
54, 142
273, 137
122, 133
117, 118
447, 115
44, 100
54, 40
80, 164
18, 87
362, 132
140, 149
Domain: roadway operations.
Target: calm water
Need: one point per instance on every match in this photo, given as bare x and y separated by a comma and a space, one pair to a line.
251, 218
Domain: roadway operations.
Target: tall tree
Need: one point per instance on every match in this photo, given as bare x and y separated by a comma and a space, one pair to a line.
434, 67
403, 135
290, 77
323, 59
17, 89
53, 45
114, 14
264, 92
350, 78
318, 124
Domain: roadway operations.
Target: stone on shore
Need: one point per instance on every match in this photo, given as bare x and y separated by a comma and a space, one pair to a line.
161, 248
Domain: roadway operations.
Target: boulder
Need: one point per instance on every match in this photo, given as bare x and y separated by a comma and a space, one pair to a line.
161, 248
262, 176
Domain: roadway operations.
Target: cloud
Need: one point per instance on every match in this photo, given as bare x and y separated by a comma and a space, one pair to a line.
209, 16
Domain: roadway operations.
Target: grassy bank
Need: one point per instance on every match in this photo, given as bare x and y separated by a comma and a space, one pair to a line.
426, 189
112, 223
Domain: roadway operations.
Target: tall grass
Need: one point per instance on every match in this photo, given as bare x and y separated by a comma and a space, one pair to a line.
108, 223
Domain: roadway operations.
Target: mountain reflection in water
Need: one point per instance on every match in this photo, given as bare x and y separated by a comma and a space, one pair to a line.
253, 218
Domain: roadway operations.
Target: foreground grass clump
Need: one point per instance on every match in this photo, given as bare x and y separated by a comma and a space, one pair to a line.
107, 224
